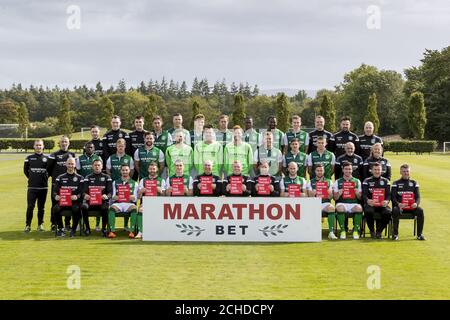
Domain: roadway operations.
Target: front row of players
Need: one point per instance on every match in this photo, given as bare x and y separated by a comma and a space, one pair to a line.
97, 192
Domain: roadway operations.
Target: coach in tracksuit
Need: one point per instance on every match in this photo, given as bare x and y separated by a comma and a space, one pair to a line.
57, 166
35, 169
73, 181
403, 186
382, 214
110, 138
96, 179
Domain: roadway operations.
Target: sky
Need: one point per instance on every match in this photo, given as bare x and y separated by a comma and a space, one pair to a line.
276, 44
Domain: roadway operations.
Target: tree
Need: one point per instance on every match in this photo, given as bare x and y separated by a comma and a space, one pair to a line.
371, 113
196, 89
300, 96
64, 118
22, 117
106, 108
328, 111
121, 86
283, 112
154, 104
8, 112
417, 117
239, 110
195, 110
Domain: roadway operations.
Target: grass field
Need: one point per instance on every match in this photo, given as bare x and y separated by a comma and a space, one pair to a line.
34, 266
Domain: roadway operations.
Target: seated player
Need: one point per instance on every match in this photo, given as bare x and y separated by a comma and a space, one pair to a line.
347, 193
207, 184
124, 197
237, 184
152, 185
320, 187
405, 200
266, 185
293, 185
376, 196
67, 194
180, 183
96, 184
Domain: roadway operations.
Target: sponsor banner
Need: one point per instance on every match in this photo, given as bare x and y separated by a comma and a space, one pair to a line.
232, 219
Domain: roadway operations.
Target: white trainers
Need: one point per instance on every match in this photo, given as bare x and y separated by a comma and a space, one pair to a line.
139, 235
332, 236
355, 235
343, 235
41, 228
97, 229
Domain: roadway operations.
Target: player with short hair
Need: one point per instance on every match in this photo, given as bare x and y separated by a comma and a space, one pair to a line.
349, 157
177, 121
179, 151
237, 150
84, 162
223, 134
271, 154
276, 133
327, 208
274, 183
402, 189
244, 185
110, 138
96, 180
292, 178
208, 149
179, 174
251, 135
376, 156
128, 206
347, 193
98, 142
296, 133
160, 184
367, 140
323, 156
116, 160
381, 212
73, 182
345, 135
319, 124
216, 181
162, 137
196, 135
35, 169
295, 155
147, 154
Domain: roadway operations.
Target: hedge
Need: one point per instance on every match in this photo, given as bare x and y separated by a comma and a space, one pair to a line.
20, 144
418, 147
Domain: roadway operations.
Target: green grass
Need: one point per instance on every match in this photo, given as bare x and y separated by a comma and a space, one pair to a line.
34, 265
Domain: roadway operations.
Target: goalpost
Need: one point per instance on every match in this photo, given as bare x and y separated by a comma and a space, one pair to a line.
83, 130
445, 148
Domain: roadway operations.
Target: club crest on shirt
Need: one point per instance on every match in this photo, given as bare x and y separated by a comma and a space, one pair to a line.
411, 184
102, 179
350, 138
381, 183
372, 141
44, 159
75, 179
355, 160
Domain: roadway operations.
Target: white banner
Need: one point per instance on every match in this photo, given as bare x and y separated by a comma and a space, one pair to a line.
232, 219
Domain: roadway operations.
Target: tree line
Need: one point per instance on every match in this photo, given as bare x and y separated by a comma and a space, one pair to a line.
414, 104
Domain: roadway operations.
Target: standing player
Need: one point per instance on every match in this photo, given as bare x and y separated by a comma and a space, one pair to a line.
349, 157
292, 179
110, 138
208, 149
98, 142
319, 124
196, 135
73, 182
147, 154
180, 183
223, 135
322, 156
326, 194
271, 154
376, 208
406, 200
93, 184
177, 121
251, 135
162, 137
123, 202
296, 133
276, 133
238, 150
367, 140
236, 184
56, 166
179, 151
207, 184
376, 156
84, 162
342, 137
152, 185
295, 155
266, 185
137, 140
35, 169
347, 193
116, 160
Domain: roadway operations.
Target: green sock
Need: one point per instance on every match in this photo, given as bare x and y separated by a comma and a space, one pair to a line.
97, 222
341, 220
357, 218
139, 221
112, 220
133, 214
331, 217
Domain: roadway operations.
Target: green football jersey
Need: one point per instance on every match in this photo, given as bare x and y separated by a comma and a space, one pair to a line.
327, 159
301, 135
182, 152
212, 152
145, 157
115, 162
84, 164
242, 153
312, 186
300, 159
338, 186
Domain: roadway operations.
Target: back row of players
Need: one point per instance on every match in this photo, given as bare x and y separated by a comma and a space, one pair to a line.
287, 156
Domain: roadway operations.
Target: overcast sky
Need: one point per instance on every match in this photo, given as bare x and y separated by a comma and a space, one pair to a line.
275, 44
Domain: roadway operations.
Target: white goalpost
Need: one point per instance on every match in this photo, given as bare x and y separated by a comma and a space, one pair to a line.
83, 130
445, 148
